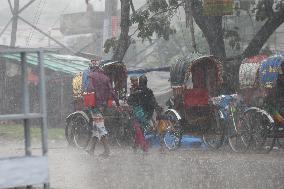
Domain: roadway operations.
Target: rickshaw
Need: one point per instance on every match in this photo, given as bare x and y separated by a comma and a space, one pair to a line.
248, 95
266, 126
78, 124
194, 80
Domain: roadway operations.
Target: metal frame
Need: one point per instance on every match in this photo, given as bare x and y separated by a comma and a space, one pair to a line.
11, 165
16, 16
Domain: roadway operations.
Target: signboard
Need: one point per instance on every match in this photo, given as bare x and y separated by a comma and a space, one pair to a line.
81, 23
106, 29
218, 7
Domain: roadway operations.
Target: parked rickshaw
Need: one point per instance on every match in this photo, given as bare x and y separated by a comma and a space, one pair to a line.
249, 94
79, 125
194, 80
266, 125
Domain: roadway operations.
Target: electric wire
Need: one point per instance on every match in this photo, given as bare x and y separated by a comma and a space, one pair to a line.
58, 18
36, 18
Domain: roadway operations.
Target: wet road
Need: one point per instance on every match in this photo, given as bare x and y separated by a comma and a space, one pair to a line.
184, 168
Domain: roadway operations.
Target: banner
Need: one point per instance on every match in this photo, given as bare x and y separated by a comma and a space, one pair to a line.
114, 26
218, 7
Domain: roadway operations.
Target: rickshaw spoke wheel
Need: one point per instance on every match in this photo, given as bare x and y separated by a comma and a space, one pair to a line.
213, 135
120, 129
280, 142
69, 132
172, 138
81, 132
240, 140
262, 131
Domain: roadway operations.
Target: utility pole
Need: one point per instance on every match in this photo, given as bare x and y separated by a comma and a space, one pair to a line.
14, 23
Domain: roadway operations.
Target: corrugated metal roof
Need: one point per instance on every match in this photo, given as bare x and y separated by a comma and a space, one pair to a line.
70, 64
62, 63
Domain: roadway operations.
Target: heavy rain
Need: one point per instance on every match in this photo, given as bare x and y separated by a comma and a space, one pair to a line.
99, 94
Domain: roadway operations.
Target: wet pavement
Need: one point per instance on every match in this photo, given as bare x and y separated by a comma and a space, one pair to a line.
184, 168
197, 168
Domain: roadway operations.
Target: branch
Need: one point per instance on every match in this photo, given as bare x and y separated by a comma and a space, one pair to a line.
134, 32
132, 7
169, 9
263, 35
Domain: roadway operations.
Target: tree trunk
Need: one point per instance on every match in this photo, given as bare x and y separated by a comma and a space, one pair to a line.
213, 32
124, 39
211, 27
189, 22
263, 35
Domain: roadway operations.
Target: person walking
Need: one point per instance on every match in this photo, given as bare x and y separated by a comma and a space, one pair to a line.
101, 85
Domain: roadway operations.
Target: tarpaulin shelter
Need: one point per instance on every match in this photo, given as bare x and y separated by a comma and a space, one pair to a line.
62, 63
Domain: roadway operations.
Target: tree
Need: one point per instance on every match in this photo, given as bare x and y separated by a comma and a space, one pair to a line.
123, 42
121, 45
273, 14
211, 27
157, 17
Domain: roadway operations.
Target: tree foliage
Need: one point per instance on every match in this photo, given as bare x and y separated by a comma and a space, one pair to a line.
157, 16
265, 9
154, 19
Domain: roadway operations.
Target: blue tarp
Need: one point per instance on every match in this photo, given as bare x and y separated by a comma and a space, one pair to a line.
269, 70
85, 80
187, 141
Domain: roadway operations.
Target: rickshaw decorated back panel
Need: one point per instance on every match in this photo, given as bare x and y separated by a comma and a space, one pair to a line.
249, 70
269, 71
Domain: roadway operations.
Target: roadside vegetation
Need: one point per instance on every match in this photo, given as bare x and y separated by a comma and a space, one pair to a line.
16, 133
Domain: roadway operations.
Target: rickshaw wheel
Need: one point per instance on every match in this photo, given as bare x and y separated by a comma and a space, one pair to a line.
80, 131
120, 129
240, 136
240, 140
262, 130
172, 138
280, 142
214, 134
68, 133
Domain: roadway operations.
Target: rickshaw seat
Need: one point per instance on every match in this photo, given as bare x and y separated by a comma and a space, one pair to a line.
196, 97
